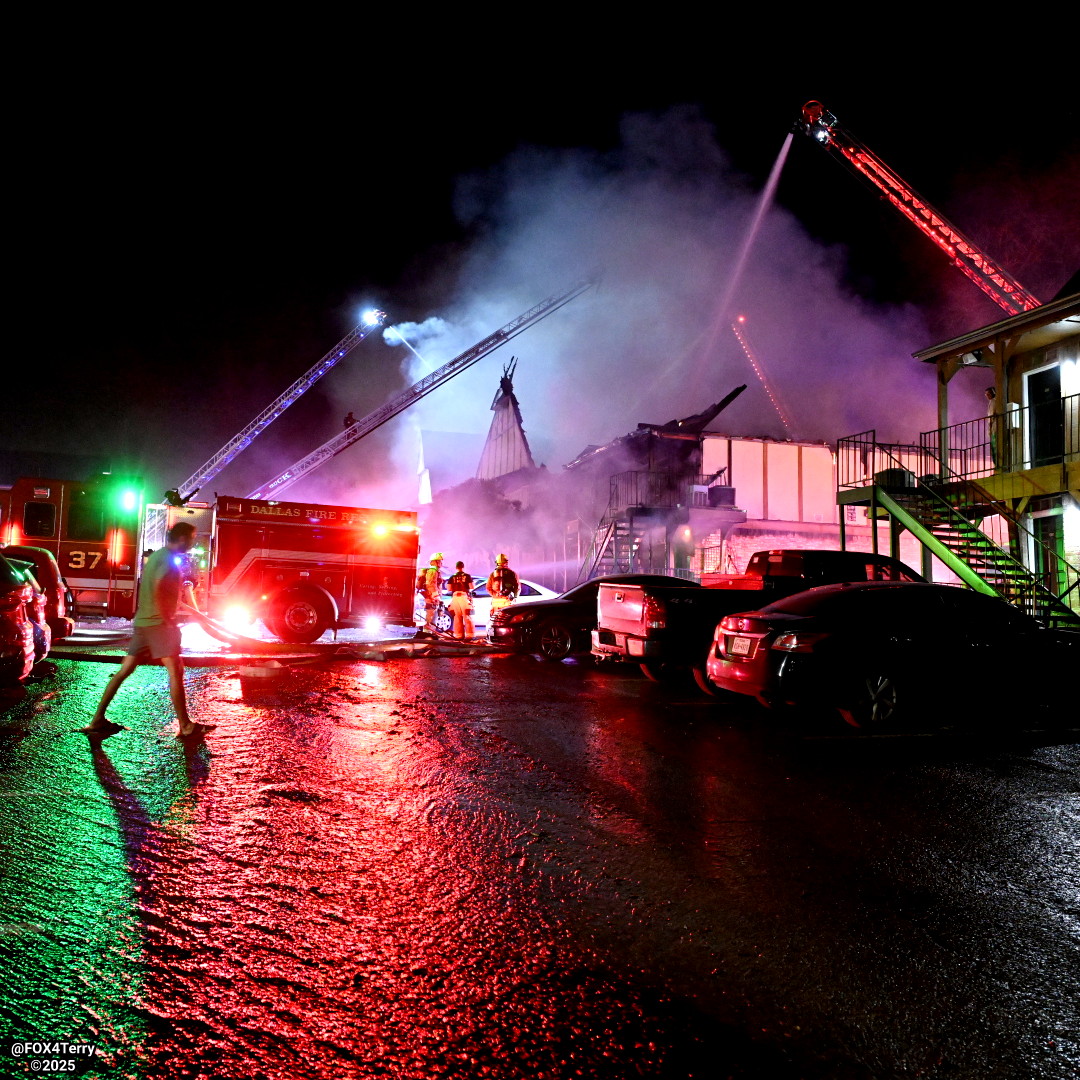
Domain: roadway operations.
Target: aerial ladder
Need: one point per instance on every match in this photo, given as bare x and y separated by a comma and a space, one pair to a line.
272, 488
739, 329
154, 524
821, 125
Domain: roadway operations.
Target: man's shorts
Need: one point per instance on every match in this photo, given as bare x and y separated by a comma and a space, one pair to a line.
154, 642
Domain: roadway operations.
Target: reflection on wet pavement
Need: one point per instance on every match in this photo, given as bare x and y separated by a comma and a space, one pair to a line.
459, 867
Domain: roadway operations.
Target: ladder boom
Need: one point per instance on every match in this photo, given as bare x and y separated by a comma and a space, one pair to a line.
997, 283
770, 391
429, 382
243, 439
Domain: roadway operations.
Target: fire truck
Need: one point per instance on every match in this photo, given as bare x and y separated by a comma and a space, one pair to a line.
92, 527
302, 568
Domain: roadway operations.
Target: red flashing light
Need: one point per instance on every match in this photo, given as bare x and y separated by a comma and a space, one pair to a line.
116, 546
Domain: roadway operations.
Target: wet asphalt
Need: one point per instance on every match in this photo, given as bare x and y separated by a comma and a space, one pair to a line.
488, 866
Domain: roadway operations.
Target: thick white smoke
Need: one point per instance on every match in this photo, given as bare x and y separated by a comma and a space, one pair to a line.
657, 225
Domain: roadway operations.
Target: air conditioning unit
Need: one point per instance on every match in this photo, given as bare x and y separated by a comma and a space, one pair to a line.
719, 495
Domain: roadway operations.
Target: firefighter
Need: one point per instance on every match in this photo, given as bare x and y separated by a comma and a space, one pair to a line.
431, 585
502, 584
460, 585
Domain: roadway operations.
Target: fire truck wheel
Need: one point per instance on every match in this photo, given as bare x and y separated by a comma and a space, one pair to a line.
299, 617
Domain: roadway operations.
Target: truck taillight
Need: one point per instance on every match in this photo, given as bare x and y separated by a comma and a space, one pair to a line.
654, 613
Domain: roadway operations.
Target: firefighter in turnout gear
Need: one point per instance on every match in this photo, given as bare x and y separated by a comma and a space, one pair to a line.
431, 587
460, 585
502, 584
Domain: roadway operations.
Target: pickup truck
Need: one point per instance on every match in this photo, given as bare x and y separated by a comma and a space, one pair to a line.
667, 629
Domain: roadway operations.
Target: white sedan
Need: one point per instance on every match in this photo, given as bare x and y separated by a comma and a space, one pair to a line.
530, 591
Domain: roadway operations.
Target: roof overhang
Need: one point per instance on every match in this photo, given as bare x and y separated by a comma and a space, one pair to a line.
1038, 328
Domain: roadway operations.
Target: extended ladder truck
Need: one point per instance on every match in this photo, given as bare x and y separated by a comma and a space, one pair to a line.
304, 568
821, 125
96, 527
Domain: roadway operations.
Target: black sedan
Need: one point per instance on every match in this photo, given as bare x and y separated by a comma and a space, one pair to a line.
880, 652
561, 627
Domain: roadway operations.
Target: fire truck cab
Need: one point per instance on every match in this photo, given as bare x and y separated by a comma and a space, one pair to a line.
90, 526
302, 568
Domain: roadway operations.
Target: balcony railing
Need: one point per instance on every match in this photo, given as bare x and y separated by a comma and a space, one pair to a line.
1047, 433
860, 458
666, 490
1018, 439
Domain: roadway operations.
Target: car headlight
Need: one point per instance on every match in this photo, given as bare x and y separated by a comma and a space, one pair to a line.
507, 617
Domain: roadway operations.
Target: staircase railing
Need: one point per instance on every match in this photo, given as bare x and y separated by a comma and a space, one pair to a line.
596, 551
861, 460
632, 492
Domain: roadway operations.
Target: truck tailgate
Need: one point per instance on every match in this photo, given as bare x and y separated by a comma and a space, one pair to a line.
618, 608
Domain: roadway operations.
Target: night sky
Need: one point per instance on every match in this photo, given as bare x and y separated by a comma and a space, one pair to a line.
195, 227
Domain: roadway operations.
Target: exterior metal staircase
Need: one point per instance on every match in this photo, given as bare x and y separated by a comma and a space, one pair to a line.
637, 503
612, 550
939, 515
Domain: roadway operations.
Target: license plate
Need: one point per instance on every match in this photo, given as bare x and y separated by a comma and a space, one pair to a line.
741, 646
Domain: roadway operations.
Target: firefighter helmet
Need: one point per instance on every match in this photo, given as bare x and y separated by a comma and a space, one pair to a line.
501, 560
437, 557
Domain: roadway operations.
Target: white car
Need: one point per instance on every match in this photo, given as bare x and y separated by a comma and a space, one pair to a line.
529, 591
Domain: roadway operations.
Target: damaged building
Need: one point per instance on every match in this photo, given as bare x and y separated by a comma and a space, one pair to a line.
674, 498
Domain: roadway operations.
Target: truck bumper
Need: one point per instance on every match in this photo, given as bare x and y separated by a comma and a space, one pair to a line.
608, 645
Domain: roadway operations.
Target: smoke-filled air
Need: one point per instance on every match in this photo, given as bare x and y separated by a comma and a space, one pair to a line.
658, 226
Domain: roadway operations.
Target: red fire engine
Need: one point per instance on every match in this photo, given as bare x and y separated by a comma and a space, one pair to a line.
92, 527
302, 568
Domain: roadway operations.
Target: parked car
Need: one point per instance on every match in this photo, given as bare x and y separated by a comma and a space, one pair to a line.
530, 591
878, 652
59, 603
561, 626
16, 625
666, 629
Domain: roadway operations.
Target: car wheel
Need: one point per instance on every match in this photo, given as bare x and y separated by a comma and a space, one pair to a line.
654, 672
556, 641
299, 618
875, 702
663, 672
707, 686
